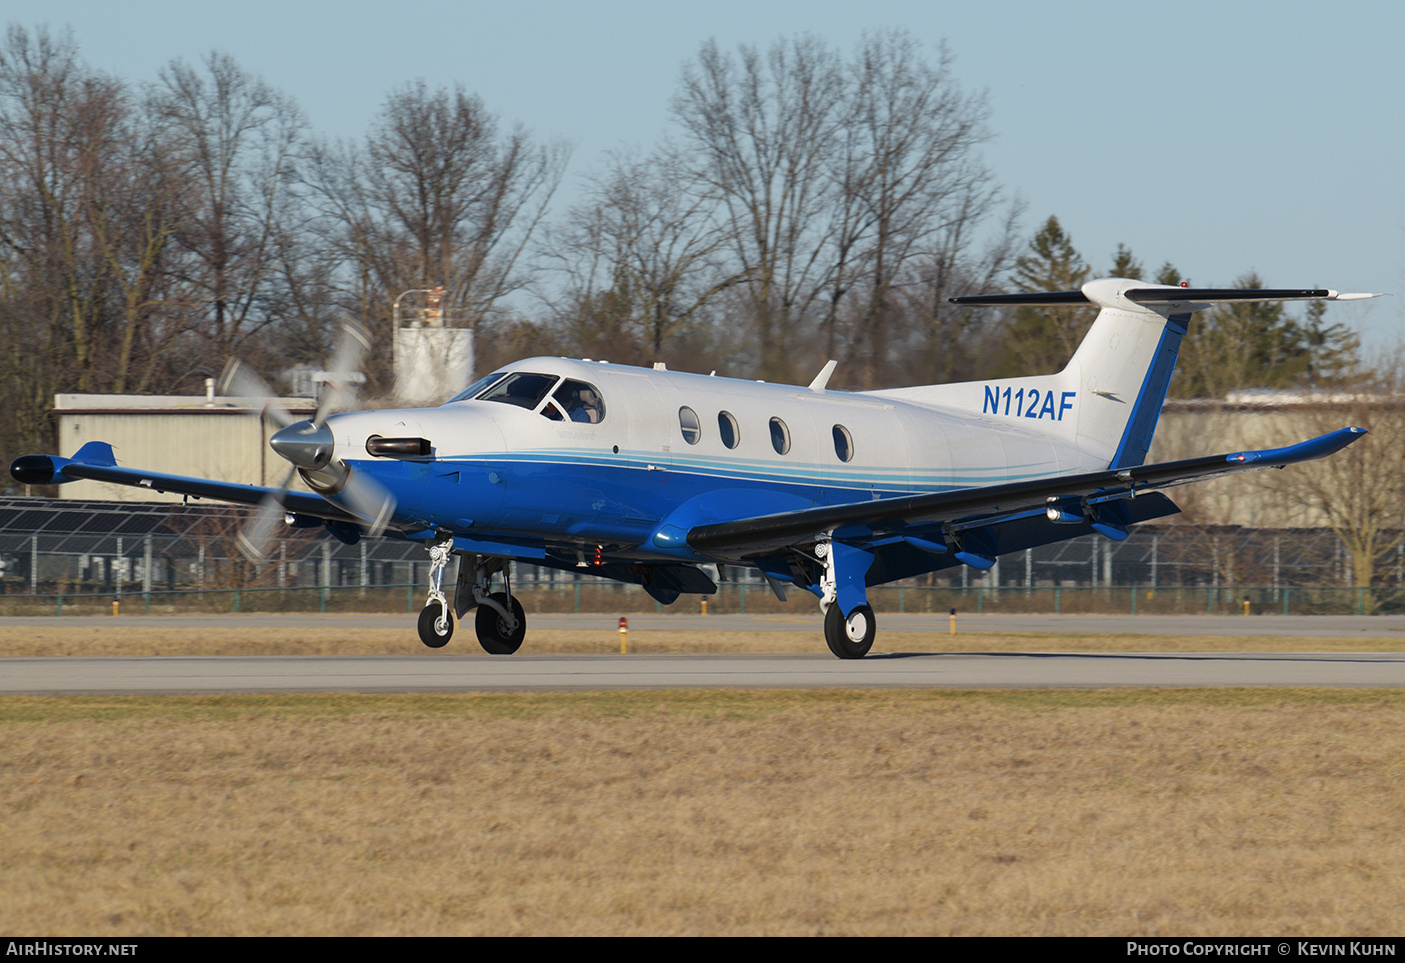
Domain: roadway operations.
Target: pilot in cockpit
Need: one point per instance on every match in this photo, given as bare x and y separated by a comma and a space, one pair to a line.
581, 401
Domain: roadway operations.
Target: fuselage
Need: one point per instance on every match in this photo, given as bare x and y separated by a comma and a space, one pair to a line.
657, 452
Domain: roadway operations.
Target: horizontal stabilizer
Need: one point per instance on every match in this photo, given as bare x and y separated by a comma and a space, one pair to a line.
1167, 294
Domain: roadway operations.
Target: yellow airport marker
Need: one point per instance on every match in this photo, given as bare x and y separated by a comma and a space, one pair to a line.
953, 621
624, 633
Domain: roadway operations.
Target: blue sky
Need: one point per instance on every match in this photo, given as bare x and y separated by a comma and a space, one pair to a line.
1222, 137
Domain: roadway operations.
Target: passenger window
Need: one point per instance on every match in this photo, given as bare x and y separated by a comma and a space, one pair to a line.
729, 430
520, 389
843, 443
690, 426
581, 402
780, 436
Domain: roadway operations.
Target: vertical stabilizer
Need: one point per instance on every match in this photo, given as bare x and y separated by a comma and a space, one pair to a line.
1123, 369
1108, 398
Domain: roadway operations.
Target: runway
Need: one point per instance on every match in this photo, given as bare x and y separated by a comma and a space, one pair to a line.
432, 672
1283, 626
422, 670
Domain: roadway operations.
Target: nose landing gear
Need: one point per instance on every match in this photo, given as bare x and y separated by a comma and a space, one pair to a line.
436, 625
500, 623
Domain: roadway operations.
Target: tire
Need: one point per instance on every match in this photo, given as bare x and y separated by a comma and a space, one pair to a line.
492, 634
429, 633
850, 638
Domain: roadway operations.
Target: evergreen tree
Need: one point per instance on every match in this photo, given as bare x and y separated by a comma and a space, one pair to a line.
1042, 339
1124, 265
1333, 349
1167, 274
1254, 344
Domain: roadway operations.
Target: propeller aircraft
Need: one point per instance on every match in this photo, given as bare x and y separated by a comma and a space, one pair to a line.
654, 477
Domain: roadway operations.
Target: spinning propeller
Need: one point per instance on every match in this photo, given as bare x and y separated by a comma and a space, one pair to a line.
308, 446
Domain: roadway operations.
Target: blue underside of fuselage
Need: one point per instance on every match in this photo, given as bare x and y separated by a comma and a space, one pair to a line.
588, 505
642, 513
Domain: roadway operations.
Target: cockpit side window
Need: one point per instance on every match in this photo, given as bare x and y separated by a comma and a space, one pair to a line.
581, 402
520, 388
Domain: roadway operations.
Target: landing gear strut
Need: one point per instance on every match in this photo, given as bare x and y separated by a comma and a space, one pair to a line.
841, 584
500, 622
436, 623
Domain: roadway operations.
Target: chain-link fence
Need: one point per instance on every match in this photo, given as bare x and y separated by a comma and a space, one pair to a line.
74, 556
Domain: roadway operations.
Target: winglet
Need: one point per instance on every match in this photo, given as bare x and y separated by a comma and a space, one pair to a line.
48, 469
1313, 448
822, 378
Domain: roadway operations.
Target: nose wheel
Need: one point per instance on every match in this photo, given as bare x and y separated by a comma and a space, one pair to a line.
436, 625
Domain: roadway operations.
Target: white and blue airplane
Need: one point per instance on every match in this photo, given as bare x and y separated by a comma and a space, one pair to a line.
654, 477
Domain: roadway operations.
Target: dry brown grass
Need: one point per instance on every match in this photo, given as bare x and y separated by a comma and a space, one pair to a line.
104, 637
1054, 812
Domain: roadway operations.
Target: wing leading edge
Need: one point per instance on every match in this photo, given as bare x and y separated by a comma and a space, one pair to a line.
95, 462
993, 503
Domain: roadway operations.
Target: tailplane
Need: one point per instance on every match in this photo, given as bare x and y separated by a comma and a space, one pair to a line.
1107, 399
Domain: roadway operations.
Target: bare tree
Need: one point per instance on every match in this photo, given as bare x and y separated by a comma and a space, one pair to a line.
134, 214
643, 259
913, 168
952, 343
239, 139
437, 195
1360, 492
846, 186
59, 125
760, 134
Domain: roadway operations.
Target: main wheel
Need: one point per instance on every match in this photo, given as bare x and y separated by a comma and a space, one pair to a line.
850, 638
429, 630
492, 631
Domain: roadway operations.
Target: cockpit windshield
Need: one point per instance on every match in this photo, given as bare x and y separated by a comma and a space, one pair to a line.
571, 401
520, 388
473, 389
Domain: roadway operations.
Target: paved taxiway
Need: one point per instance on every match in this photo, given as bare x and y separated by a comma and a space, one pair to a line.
1282, 626
433, 672
421, 670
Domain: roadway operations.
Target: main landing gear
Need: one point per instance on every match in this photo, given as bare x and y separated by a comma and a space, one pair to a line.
841, 586
499, 623
850, 638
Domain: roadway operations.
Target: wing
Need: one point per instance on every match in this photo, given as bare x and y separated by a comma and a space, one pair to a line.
1091, 498
95, 462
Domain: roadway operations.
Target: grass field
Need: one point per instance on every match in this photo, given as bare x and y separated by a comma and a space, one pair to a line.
1124, 812
1112, 812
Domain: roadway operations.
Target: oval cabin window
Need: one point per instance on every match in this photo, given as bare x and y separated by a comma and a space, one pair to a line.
728, 429
690, 426
780, 436
843, 443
